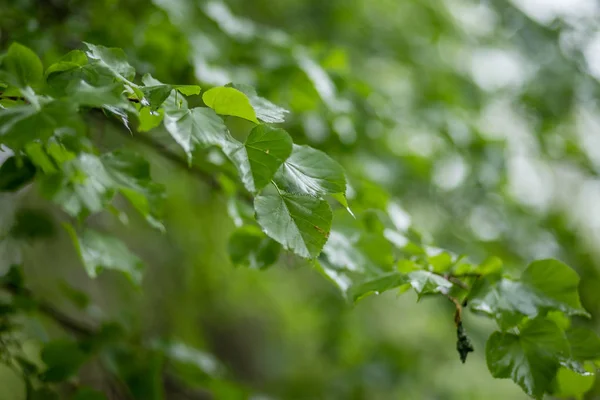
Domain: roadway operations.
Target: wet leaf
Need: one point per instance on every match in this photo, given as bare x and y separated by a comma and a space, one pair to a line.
301, 223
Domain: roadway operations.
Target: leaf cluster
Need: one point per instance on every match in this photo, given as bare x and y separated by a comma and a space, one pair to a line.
293, 199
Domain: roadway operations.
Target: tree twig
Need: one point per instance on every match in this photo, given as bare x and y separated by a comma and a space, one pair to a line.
160, 149
68, 323
463, 343
452, 279
173, 157
458, 313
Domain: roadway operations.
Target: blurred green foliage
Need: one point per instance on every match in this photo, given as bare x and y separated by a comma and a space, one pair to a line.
478, 119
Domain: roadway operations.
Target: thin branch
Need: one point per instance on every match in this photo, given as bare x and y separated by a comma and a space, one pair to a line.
457, 282
458, 313
21, 98
453, 279
71, 325
160, 149
463, 343
174, 157
81, 329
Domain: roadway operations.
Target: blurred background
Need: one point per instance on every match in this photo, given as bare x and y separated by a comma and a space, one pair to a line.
479, 118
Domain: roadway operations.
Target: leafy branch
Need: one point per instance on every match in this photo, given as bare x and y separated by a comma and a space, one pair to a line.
13, 284
294, 199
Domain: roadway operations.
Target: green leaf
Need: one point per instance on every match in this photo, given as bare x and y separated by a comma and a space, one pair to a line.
490, 266
15, 173
188, 90
84, 94
320, 80
61, 76
441, 261
239, 211
192, 362
301, 223
353, 247
248, 246
378, 285
38, 156
425, 282
545, 285
13, 120
72, 60
150, 119
573, 385
88, 183
23, 65
99, 251
341, 198
142, 370
312, 172
557, 282
113, 59
530, 359
338, 277
63, 359
156, 95
84, 187
58, 152
585, 344
23, 124
261, 155
265, 110
130, 173
229, 101
149, 80
155, 92
198, 126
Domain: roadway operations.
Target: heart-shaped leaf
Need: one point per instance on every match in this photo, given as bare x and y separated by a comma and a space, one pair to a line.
197, 126
311, 171
229, 101
531, 358
99, 251
260, 156
23, 66
544, 285
301, 223
265, 110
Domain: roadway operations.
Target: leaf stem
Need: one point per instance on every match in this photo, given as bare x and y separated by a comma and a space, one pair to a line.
276, 187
